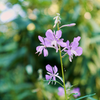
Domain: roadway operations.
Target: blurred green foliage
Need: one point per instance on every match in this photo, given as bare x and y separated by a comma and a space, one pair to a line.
19, 65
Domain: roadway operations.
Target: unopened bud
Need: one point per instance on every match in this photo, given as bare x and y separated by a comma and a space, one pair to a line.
57, 20
68, 25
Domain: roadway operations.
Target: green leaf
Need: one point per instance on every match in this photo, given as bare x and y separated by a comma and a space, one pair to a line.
90, 98
85, 96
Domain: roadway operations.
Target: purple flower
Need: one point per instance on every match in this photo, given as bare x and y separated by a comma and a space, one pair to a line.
52, 73
73, 48
76, 90
61, 91
43, 47
68, 91
54, 39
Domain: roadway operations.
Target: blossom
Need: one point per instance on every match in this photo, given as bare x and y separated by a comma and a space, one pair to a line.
76, 90
52, 71
73, 48
54, 40
43, 47
68, 91
61, 91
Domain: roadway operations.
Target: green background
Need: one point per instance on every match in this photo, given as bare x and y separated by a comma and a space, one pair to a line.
19, 39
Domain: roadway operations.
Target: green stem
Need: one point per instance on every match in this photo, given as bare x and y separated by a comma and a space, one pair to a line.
62, 73
62, 68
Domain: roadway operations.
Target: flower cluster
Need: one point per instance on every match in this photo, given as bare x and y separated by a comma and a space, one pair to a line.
53, 40
52, 74
74, 91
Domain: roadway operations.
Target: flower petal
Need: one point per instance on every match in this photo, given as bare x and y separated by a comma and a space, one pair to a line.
49, 34
41, 39
79, 51
47, 42
76, 90
55, 69
77, 39
45, 51
58, 34
69, 52
48, 77
74, 45
49, 68
39, 49
61, 43
67, 44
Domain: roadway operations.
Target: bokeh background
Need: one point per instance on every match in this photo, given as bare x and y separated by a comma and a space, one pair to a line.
22, 71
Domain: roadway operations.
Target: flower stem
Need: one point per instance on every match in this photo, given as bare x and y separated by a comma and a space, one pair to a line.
62, 73
62, 67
